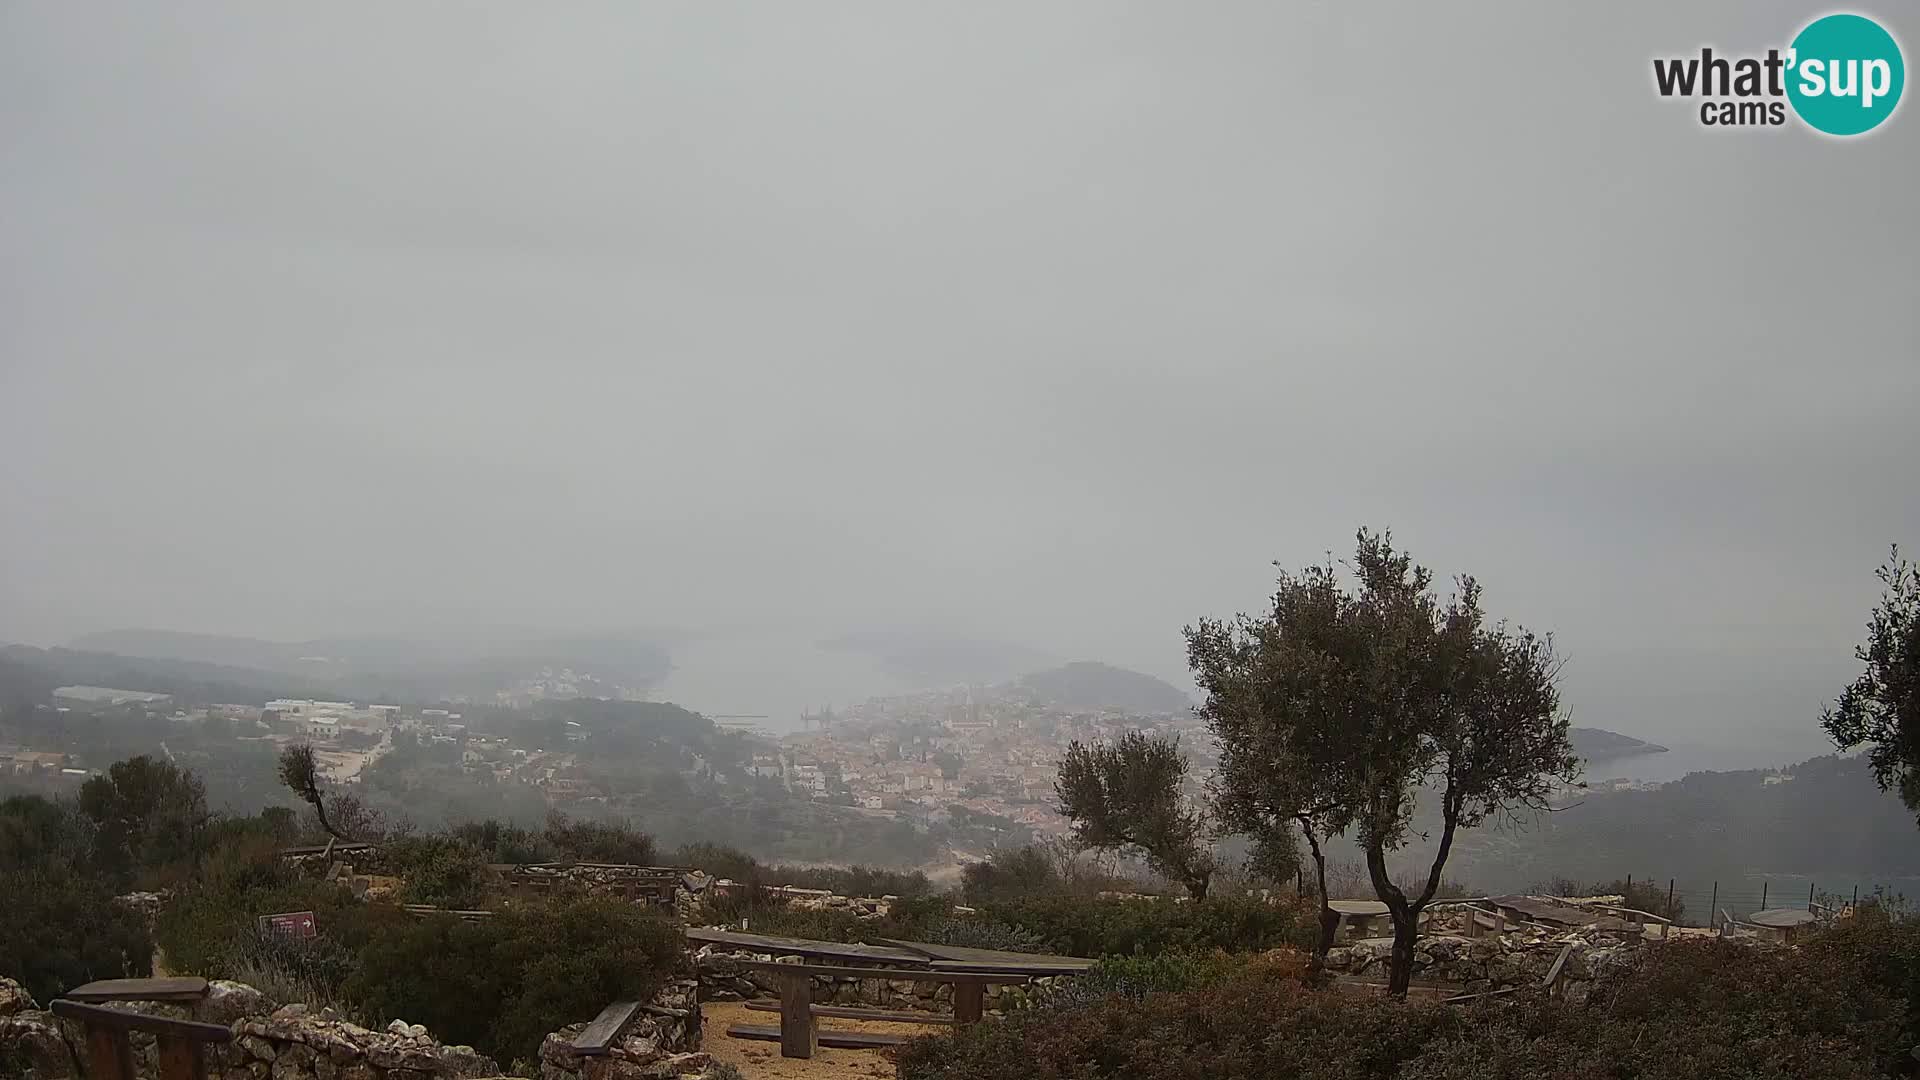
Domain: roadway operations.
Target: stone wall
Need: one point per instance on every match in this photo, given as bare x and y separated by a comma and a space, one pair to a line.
293, 1042
663, 1041
1520, 957
725, 977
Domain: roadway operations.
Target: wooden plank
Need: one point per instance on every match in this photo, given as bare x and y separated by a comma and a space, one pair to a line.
909, 974
597, 1038
959, 958
840, 1040
98, 1018
799, 1031
969, 1003
1552, 981
176, 989
1035, 970
845, 1012
1543, 911
180, 1058
832, 950
109, 1053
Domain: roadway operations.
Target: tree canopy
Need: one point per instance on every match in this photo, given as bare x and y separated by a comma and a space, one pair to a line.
1337, 708
1125, 795
1881, 708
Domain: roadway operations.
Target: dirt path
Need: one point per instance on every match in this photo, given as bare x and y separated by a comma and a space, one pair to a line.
762, 1060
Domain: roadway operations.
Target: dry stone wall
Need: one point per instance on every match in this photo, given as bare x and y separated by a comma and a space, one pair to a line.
725, 976
663, 1041
294, 1042
1520, 957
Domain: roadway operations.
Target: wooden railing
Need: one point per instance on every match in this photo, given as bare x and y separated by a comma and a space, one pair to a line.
180, 1043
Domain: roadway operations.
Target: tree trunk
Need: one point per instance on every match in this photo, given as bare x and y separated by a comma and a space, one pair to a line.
1406, 931
1406, 920
1197, 887
1329, 918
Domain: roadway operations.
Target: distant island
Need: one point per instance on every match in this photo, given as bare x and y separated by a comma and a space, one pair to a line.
1599, 744
1092, 686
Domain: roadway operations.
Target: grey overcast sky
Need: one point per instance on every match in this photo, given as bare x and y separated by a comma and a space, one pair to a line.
1047, 323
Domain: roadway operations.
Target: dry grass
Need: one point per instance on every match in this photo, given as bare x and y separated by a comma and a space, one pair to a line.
762, 1060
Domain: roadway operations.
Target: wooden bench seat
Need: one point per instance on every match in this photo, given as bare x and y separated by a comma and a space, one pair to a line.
174, 989
839, 1040
598, 1037
844, 1012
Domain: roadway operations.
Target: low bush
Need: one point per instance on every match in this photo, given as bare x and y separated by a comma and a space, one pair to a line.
1090, 927
59, 929
504, 842
212, 927
1689, 1010
1259, 1024
502, 984
1012, 874
439, 869
734, 864
974, 933
599, 841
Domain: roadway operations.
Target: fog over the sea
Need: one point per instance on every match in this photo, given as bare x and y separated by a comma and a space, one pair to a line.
1045, 327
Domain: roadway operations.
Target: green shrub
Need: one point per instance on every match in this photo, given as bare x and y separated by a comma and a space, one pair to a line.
502, 984
1881, 949
504, 842
734, 864
599, 841
976, 933
1010, 875
211, 928
1688, 1010
1079, 926
1262, 1024
313, 971
59, 928
718, 860
439, 869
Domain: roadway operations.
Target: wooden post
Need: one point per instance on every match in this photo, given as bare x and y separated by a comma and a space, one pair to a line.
1713, 905
1763, 896
1809, 896
110, 1054
1855, 908
969, 1002
180, 1059
1669, 912
799, 1031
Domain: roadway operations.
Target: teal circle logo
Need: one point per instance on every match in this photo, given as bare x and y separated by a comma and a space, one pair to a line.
1845, 74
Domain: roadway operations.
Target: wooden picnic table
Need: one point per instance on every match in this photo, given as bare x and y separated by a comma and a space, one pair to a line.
799, 1032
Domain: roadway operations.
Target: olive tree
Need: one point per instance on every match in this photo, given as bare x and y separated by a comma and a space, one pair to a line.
1881, 708
1125, 796
1346, 703
1278, 774
301, 773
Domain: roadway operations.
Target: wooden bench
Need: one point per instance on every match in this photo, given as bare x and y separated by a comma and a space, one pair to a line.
179, 1043
845, 1012
597, 1038
177, 989
833, 1040
799, 1032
